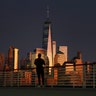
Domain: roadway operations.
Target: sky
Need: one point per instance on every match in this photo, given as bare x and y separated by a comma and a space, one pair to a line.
73, 25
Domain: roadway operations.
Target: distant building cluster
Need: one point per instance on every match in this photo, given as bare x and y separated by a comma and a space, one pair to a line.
49, 51
56, 59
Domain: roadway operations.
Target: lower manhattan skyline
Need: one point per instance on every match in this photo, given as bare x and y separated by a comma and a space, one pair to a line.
73, 25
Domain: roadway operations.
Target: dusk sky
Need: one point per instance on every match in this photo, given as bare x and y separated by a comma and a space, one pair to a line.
73, 25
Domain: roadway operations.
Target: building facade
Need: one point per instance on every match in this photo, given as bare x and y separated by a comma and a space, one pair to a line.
16, 59
11, 57
47, 40
54, 50
59, 58
1, 61
46, 31
64, 49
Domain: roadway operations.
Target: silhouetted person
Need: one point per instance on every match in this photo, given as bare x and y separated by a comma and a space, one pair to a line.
39, 62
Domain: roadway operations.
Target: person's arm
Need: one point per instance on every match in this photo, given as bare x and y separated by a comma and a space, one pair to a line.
44, 62
35, 62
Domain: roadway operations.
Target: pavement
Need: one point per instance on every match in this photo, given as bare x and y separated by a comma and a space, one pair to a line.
46, 91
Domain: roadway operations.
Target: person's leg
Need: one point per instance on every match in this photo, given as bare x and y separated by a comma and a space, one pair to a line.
42, 74
38, 74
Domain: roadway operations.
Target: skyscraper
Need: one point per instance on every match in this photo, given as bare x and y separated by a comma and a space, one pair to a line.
49, 47
64, 49
11, 57
54, 50
60, 58
47, 40
45, 31
16, 66
1, 61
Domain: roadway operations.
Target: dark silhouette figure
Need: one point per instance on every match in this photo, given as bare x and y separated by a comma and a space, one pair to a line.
39, 62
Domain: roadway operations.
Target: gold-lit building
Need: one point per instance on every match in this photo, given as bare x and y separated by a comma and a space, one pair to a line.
54, 50
26, 78
16, 59
78, 61
49, 48
64, 49
33, 55
59, 58
42, 51
47, 40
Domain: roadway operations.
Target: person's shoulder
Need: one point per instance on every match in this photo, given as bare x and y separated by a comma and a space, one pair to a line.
42, 59
36, 59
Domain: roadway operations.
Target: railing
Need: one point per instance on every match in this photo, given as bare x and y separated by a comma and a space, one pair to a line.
82, 76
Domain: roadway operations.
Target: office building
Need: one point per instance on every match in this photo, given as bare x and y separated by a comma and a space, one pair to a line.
35, 55
78, 61
59, 58
64, 49
42, 51
1, 61
11, 57
29, 60
23, 63
16, 59
49, 48
47, 40
54, 50
46, 31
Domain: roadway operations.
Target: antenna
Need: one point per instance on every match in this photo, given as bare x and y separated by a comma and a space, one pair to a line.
47, 11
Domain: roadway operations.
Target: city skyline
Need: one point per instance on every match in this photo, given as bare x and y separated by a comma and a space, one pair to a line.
73, 24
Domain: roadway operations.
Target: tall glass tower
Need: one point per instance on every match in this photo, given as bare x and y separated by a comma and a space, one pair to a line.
45, 31
47, 40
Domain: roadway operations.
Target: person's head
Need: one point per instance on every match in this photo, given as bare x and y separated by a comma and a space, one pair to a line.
39, 55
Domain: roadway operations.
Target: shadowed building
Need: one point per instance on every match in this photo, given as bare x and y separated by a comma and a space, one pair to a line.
23, 63
11, 57
1, 61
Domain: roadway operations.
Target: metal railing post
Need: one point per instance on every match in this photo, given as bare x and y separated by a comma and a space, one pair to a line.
18, 79
52, 73
93, 75
73, 76
4, 79
35, 75
11, 78
84, 76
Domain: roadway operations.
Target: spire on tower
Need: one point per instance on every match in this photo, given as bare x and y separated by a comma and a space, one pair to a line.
47, 12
